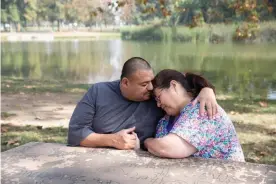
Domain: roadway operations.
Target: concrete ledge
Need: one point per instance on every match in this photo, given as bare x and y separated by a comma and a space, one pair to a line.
56, 163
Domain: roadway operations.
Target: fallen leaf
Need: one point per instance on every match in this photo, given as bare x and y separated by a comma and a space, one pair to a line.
232, 112
39, 127
38, 118
12, 141
257, 158
58, 109
263, 153
272, 132
28, 87
4, 129
263, 104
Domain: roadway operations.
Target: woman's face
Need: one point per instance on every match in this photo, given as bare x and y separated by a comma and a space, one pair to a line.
167, 100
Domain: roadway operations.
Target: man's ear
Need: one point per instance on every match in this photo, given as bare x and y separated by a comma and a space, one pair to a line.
125, 82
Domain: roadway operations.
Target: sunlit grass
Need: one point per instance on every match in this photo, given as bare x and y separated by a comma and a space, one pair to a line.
13, 136
16, 85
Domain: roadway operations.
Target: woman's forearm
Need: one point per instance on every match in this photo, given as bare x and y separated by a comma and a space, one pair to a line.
170, 146
157, 147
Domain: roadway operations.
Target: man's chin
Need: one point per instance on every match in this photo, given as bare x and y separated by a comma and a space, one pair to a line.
146, 97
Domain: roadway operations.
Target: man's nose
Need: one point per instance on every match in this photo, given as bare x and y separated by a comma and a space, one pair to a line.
150, 87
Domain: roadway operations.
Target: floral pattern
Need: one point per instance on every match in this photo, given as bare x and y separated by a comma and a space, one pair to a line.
213, 138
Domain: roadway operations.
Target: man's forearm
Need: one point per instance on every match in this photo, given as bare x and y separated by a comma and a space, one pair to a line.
99, 140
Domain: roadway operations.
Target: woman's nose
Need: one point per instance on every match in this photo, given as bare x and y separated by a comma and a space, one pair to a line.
158, 104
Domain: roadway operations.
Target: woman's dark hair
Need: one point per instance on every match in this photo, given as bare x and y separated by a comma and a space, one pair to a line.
192, 83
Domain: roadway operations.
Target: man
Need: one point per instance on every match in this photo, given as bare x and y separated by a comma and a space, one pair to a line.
115, 114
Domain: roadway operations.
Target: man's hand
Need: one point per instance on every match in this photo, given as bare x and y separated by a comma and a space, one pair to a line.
137, 146
125, 139
207, 98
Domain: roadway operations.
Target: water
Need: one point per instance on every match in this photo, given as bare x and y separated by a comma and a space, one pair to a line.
244, 70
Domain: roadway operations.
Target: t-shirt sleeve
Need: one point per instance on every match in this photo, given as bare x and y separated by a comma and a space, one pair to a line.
80, 125
192, 129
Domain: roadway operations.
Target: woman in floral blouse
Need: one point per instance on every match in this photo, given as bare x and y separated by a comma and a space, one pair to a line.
183, 132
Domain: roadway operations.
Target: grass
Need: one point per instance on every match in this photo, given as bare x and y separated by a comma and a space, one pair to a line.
240, 106
87, 35
5, 115
17, 85
13, 136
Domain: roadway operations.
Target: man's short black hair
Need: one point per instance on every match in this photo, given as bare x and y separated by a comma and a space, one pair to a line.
133, 64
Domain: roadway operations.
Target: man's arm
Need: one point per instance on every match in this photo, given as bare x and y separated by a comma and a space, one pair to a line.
207, 99
170, 146
124, 139
80, 127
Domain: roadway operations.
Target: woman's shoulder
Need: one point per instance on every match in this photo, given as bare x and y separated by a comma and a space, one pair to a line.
190, 109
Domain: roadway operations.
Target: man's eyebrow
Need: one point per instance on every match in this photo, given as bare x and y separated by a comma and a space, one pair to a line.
145, 82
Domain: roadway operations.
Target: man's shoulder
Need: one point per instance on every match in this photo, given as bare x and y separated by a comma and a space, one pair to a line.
104, 86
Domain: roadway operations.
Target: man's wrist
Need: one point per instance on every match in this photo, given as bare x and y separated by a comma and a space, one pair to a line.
112, 140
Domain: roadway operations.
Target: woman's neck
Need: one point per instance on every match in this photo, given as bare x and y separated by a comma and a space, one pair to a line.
185, 102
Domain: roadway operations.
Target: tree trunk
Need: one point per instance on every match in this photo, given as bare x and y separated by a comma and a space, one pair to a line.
58, 25
204, 14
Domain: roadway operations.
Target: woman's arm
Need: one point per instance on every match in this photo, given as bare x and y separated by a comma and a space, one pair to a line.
170, 146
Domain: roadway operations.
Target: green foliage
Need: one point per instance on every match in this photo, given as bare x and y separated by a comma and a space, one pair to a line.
30, 11
14, 12
216, 33
192, 13
4, 16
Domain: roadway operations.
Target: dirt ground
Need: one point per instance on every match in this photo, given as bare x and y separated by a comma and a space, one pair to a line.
47, 110
55, 109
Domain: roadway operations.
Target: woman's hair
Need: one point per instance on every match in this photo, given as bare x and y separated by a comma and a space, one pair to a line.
192, 83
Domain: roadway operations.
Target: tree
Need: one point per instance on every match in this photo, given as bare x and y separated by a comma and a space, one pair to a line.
56, 12
30, 11
14, 15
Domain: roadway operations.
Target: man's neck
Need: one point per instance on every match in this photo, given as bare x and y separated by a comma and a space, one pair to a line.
124, 93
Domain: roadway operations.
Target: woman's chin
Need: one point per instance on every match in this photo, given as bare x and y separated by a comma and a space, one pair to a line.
170, 113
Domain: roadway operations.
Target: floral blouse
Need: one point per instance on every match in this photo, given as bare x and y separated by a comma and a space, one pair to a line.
213, 138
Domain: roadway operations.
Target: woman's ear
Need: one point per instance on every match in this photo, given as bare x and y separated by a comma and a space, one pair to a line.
173, 85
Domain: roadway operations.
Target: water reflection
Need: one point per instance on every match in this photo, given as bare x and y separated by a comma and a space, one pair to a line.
246, 71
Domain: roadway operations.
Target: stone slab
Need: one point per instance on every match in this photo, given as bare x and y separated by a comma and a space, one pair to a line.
56, 163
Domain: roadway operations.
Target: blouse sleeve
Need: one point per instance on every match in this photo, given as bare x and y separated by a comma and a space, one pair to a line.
161, 129
193, 129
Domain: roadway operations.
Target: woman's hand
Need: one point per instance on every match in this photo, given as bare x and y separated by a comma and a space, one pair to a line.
207, 99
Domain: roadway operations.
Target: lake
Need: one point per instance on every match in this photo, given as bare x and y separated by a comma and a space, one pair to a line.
247, 71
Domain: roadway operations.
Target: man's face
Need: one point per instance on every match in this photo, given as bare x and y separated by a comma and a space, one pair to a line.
140, 85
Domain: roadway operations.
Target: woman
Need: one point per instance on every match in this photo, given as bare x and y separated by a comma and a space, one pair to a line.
189, 134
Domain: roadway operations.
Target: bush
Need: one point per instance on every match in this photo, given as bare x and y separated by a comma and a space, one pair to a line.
216, 33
